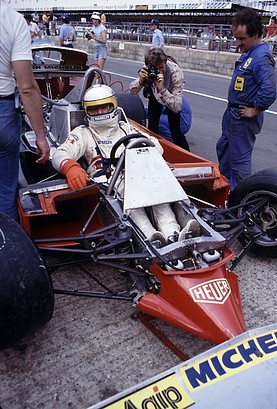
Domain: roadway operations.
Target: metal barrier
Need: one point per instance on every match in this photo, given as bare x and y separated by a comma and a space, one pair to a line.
212, 37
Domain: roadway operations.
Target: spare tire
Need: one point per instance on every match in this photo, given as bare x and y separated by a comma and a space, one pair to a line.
26, 291
132, 106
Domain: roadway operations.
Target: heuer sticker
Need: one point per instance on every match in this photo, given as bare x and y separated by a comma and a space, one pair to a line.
166, 393
213, 291
229, 361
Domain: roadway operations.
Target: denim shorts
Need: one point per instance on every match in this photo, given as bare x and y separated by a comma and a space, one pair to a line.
101, 52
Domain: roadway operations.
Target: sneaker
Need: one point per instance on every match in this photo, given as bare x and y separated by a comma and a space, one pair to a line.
192, 229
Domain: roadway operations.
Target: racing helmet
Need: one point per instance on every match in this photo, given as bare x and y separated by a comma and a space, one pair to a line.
100, 105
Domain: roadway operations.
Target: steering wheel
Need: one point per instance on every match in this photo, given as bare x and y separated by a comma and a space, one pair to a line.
139, 141
125, 140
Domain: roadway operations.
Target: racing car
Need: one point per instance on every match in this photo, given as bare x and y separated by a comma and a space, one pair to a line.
190, 283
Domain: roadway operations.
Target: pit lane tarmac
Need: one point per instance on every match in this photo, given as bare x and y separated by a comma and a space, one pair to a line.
92, 348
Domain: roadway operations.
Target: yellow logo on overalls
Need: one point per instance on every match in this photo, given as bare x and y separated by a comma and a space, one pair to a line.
239, 83
247, 63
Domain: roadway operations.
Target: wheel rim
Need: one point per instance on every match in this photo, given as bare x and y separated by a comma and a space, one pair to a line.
264, 219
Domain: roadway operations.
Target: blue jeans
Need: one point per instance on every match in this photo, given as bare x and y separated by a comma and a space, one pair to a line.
10, 129
174, 121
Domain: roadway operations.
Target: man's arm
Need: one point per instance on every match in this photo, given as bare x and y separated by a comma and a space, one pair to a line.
31, 99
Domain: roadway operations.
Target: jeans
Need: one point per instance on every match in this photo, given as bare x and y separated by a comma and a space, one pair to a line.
10, 129
174, 119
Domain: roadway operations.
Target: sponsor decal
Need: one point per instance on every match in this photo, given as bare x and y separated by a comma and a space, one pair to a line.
247, 63
213, 291
72, 138
101, 117
58, 67
166, 393
239, 83
229, 361
104, 142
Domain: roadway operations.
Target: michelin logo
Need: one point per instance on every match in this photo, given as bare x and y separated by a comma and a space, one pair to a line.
229, 361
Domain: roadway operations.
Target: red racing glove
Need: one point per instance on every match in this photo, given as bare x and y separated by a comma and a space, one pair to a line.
76, 176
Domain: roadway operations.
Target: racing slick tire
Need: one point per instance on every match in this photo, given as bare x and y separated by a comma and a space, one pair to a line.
132, 106
262, 184
26, 291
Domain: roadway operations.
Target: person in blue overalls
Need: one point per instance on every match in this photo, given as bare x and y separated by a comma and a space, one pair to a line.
251, 92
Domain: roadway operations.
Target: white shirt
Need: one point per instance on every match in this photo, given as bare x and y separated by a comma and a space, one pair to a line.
34, 31
15, 45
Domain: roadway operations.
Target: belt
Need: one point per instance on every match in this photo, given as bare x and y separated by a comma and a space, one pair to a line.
7, 96
239, 105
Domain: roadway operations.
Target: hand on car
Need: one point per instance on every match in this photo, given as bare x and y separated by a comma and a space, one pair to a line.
76, 176
43, 150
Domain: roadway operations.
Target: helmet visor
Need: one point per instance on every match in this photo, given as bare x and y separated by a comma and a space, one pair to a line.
93, 110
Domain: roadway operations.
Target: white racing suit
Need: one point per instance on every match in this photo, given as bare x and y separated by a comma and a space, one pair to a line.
95, 143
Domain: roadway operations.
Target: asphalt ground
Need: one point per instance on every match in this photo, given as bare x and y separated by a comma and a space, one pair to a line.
92, 348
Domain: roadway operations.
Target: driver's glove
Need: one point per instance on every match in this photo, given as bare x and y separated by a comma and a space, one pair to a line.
76, 176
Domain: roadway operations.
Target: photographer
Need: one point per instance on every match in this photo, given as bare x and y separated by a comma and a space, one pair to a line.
163, 81
99, 35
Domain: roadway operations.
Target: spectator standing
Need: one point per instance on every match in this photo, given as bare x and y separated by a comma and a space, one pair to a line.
99, 35
45, 20
33, 27
251, 92
35, 16
67, 33
16, 70
163, 80
53, 24
157, 38
271, 36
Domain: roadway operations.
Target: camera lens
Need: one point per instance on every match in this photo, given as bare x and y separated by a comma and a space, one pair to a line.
152, 73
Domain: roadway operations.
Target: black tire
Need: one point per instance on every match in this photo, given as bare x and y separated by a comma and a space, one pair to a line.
132, 106
259, 185
26, 291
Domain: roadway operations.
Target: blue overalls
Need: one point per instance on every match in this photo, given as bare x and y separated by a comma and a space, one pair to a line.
253, 84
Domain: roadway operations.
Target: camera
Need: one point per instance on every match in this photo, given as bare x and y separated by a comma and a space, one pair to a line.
88, 34
152, 73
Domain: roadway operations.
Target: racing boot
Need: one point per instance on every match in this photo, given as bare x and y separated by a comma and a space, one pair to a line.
191, 229
166, 221
189, 226
141, 219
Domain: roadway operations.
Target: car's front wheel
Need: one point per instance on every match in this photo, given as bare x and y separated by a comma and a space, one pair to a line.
263, 221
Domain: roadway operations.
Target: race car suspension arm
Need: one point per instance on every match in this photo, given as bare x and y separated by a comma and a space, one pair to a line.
239, 257
107, 294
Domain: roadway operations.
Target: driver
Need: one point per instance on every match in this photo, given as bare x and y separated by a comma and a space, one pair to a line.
94, 142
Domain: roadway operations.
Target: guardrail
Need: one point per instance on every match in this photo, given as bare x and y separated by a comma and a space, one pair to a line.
216, 37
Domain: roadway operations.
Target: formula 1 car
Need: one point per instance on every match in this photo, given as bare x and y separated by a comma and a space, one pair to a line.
188, 283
